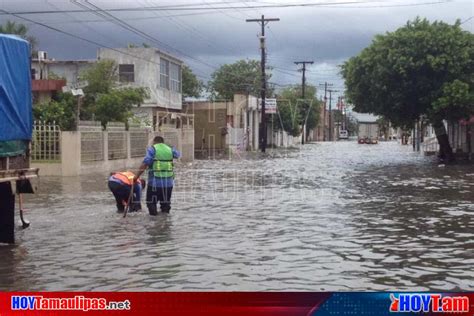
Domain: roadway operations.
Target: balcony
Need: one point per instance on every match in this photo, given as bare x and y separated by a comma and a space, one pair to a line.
45, 85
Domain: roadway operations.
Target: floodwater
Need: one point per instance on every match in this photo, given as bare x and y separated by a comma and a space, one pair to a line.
329, 216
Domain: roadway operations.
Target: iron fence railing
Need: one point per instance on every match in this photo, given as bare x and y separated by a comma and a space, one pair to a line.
46, 142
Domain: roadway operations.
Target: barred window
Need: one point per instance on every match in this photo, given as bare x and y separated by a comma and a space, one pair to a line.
126, 73
175, 77
164, 73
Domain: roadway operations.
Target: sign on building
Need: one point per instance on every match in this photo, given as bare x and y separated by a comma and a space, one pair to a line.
76, 88
270, 105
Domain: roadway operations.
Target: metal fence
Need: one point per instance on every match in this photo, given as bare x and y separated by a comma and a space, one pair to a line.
92, 146
46, 142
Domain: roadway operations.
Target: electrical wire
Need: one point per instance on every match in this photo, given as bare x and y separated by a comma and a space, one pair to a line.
345, 4
140, 33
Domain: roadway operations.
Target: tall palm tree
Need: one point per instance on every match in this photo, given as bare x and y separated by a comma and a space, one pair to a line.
18, 29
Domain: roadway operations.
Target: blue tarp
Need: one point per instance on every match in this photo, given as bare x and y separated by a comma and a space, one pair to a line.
16, 121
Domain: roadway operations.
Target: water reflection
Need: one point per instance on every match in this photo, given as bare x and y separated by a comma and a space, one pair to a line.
332, 216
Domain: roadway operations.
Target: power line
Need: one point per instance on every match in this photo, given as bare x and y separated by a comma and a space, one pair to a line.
197, 8
133, 29
131, 19
468, 19
191, 29
83, 38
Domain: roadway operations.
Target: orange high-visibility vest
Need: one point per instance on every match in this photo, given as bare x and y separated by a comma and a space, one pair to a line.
125, 177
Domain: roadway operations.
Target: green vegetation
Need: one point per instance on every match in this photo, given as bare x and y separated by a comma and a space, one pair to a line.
19, 29
61, 111
294, 110
104, 100
421, 69
241, 76
192, 86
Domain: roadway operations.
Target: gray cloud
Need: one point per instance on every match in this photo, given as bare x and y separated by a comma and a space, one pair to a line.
326, 35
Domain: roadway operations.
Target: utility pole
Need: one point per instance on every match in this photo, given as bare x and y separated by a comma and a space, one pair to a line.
330, 112
303, 86
325, 85
263, 129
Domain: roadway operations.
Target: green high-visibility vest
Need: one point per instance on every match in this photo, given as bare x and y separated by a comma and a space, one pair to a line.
163, 164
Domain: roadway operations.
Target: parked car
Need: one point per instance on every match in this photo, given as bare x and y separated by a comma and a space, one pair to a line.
343, 134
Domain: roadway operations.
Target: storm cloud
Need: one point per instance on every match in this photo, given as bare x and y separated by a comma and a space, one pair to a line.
329, 35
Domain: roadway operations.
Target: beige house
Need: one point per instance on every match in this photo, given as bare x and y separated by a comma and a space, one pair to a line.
224, 126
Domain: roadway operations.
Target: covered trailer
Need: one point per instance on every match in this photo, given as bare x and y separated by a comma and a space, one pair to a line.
16, 124
368, 132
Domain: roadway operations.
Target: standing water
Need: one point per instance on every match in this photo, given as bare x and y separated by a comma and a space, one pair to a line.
327, 217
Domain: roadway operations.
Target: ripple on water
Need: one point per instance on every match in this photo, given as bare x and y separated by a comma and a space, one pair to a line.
331, 216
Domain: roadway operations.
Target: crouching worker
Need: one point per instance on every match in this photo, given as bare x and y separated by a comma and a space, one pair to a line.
120, 184
159, 161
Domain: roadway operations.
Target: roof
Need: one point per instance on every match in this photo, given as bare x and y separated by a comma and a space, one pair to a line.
365, 117
131, 50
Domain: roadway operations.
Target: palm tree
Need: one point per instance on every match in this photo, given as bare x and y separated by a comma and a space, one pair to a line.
18, 29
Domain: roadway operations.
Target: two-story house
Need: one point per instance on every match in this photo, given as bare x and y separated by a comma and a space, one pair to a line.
50, 75
157, 71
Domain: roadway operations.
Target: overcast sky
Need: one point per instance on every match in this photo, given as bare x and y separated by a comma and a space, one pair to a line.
328, 33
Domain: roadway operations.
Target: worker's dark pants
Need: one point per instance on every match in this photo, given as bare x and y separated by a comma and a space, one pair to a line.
121, 193
158, 194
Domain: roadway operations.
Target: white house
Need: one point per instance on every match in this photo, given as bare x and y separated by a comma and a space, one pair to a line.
155, 70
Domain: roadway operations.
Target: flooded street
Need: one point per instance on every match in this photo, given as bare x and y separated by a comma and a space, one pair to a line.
328, 217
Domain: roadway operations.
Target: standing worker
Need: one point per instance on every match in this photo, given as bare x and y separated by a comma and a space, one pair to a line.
120, 183
159, 161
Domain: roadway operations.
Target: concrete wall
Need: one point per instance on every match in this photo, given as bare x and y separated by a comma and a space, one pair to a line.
209, 125
72, 151
143, 115
70, 70
461, 136
281, 138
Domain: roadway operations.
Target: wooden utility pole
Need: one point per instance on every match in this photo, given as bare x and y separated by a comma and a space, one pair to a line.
325, 85
330, 112
303, 86
263, 128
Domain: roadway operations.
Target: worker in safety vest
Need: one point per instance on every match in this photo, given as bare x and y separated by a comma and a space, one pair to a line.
120, 183
159, 161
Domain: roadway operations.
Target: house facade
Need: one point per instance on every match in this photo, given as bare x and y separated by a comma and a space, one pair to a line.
50, 75
225, 126
155, 70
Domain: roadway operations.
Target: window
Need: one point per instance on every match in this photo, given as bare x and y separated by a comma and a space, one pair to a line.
164, 73
175, 77
126, 73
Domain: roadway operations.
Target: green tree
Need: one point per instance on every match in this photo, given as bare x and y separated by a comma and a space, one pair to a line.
116, 106
294, 111
61, 111
421, 69
102, 77
192, 86
384, 127
241, 76
105, 100
19, 29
